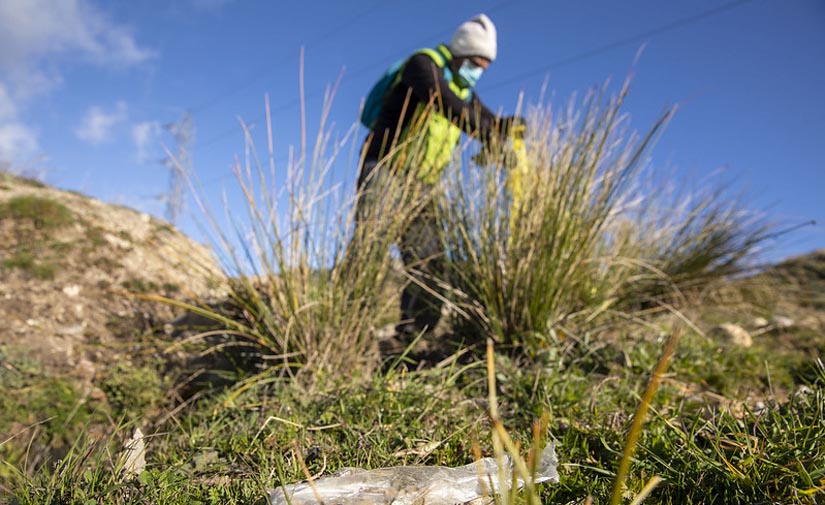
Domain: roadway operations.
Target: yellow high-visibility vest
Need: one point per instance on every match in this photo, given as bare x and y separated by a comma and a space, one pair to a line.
435, 135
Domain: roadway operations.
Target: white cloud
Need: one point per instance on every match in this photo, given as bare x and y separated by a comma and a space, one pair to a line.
35, 33
96, 126
146, 136
36, 28
35, 37
25, 83
16, 142
8, 110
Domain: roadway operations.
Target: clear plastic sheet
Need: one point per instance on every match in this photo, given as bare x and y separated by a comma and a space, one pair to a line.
411, 485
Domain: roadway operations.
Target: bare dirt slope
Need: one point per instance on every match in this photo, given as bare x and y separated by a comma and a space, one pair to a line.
66, 262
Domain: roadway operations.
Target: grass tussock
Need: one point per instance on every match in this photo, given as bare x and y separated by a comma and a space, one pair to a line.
522, 267
307, 268
692, 241
586, 233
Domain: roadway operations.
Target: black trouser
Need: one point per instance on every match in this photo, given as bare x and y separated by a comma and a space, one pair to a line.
421, 252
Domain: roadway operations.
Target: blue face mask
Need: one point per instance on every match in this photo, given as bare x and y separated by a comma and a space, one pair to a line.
468, 74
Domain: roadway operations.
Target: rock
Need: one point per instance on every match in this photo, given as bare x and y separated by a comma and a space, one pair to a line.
71, 290
75, 329
385, 332
803, 391
409, 485
97, 394
734, 334
811, 323
85, 369
782, 322
759, 322
117, 241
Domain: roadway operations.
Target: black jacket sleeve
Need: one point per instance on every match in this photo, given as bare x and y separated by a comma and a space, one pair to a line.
426, 80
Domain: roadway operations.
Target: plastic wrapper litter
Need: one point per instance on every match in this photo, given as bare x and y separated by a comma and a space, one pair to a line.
411, 485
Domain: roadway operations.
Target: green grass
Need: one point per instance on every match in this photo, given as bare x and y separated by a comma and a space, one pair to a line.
7, 175
140, 286
229, 448
32, 248
28, 263
41, 416
42, 212
131, 390
95, 236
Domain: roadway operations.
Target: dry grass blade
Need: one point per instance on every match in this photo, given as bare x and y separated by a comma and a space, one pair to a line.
641, 412
512, 467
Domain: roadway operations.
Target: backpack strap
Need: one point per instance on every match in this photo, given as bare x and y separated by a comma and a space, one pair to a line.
441, 55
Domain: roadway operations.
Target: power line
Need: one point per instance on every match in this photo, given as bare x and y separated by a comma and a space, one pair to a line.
623, 42
380, 64
638, 37
211, 102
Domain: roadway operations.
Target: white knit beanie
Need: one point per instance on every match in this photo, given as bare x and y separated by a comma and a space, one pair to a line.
476, 37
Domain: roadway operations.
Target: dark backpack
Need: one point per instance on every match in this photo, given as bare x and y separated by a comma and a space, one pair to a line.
379, 91
390, 79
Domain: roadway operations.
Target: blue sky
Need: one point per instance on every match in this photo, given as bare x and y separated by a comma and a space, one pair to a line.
86, 86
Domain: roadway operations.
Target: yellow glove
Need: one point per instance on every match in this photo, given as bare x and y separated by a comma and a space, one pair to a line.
518, 167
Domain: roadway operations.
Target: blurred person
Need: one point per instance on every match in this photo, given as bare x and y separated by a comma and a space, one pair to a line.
431, 93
